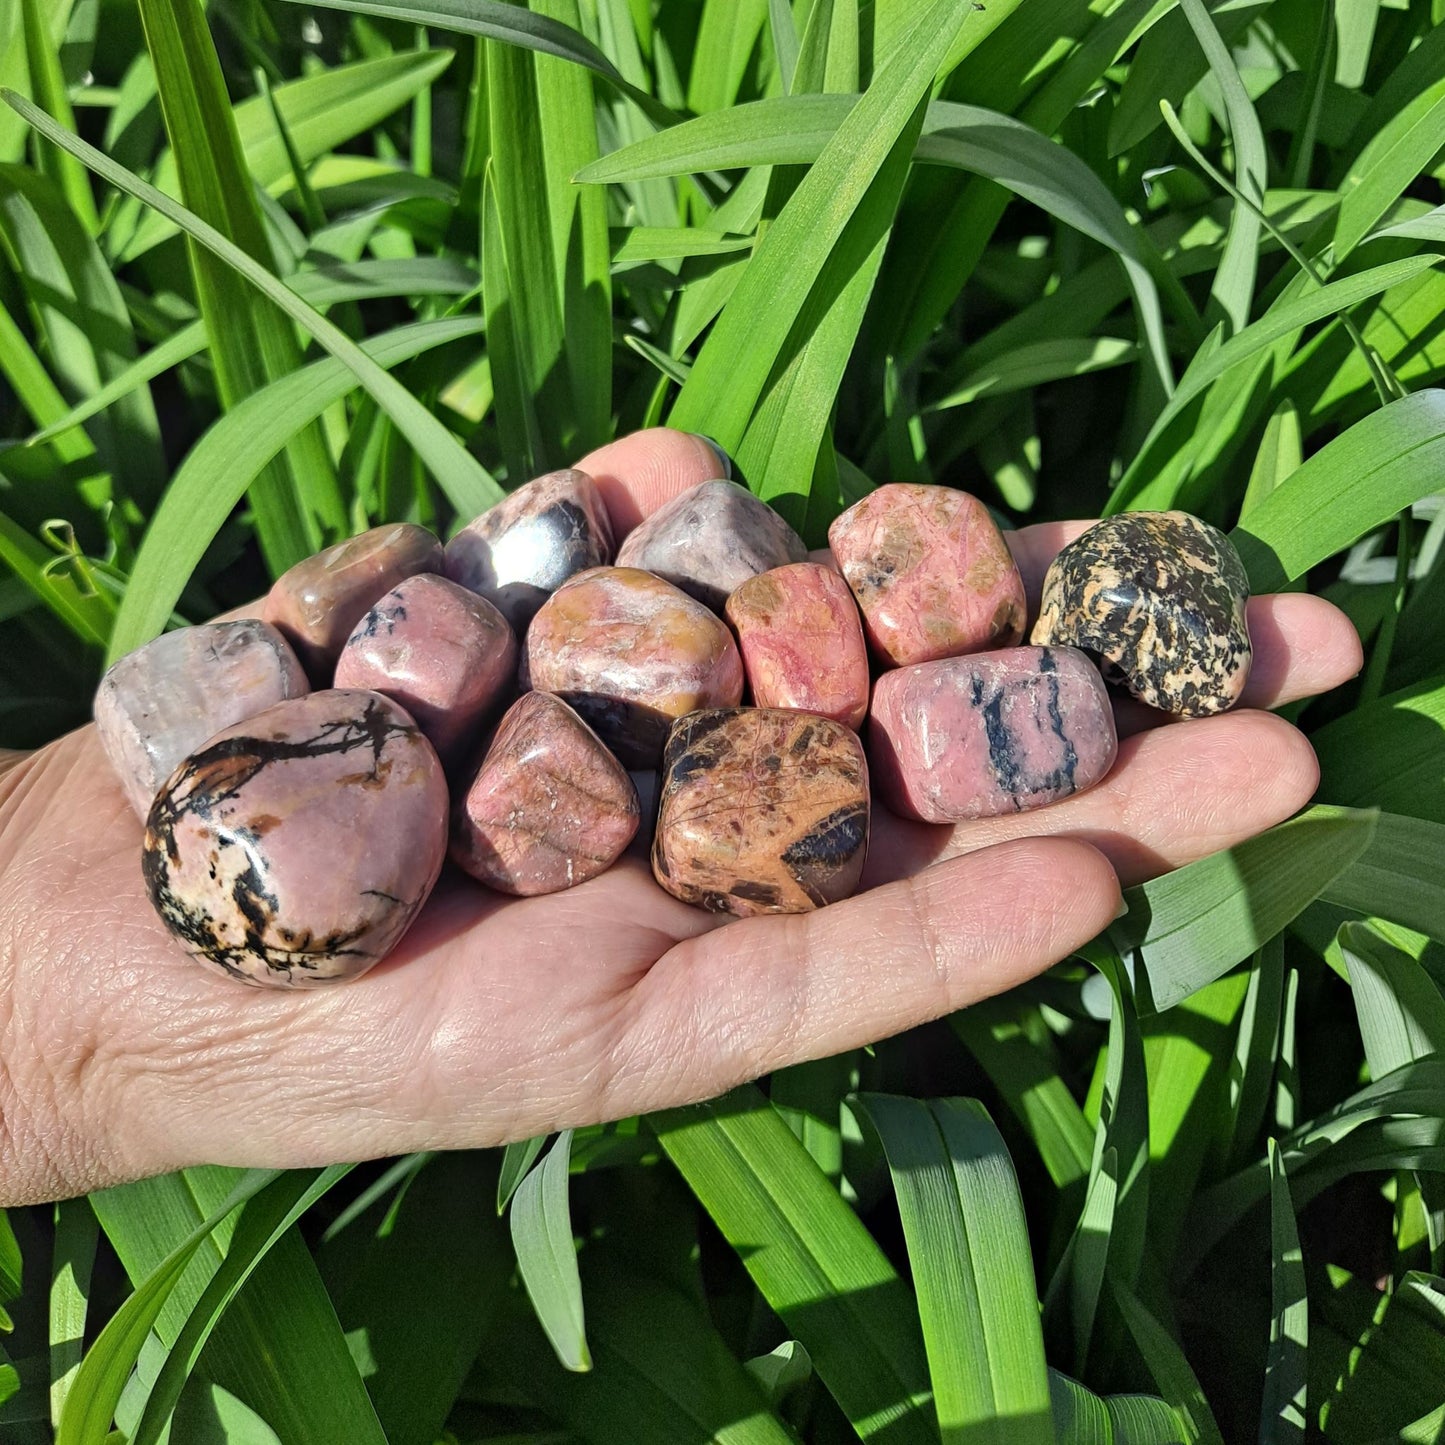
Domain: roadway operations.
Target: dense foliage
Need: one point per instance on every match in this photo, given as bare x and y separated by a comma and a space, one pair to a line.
1073, 255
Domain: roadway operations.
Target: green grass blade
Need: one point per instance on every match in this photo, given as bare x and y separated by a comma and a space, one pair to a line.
1399, 1006
546, 1256
464, 480
1283, 1414
1195, 924
72, 1263
89, 613
1170, 1370
1036, 363
968, 1246
47, 87
218, 469
812, 1259
1233, 286
1391, 752
97, 1386
776, 293
320, 112
1357, 482
510, 24
1398, 876
263, 1221
727, 34
517, 1161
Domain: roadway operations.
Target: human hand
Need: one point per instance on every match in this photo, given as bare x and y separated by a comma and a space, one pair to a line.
500, 1018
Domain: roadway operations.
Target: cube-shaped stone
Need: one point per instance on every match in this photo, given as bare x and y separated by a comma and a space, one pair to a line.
549, 808
294, 849
631, 653
162, 701
317, 602
802, 642
763, 811
931, 572
445, 654
1160, 598
519, 552
996, 732
710, 540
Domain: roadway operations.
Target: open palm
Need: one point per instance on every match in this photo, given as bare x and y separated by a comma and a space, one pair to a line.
499, 1018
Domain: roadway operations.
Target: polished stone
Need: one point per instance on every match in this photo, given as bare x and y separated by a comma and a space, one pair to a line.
162, 701
763, 811
294, 849
317, 602
519, 552
931, 572
802, 642
631, 653
710, 540
445, 654
549, 808
996, 732
1159, 598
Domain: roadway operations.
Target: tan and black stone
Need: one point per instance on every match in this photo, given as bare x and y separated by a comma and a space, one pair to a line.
763, 810
1158, 598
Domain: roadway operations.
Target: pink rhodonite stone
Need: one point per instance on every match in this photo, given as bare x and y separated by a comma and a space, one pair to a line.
445, 654
763, 811
519, 552
165, 699
710, 540
931, 572
802, 643
998, 732
550, 806
631, 653
295, 849
317, 602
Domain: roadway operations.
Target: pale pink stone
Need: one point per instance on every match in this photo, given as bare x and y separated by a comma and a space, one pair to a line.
631, 653
317, 602
295, 849
931, 572
519, 552
710, 540
998, 732
445, 654
165, 699
802, 643
549, 808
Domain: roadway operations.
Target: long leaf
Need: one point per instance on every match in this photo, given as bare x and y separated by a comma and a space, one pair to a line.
542, 1233
1286, 1380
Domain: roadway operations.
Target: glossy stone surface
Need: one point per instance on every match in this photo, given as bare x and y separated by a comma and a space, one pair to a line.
931, 572
162, 701
802, 642
997, 732
1159, 598
763, 811
631, 653
316, 603
710, 540
294, 850
550, 806
519, 552
445, 654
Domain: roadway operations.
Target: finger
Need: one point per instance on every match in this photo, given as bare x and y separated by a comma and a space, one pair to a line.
638, 473
1175, 795
768, 992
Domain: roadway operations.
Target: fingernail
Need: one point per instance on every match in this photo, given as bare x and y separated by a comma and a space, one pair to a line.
1122, 910
724, 461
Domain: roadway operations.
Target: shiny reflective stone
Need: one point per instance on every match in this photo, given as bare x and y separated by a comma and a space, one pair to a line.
162, 701
763, 811
445, 654
519, 552
996, 732
317, 602
1159, 598
710, 540
550, 806
294, 849
931, 572
631, 653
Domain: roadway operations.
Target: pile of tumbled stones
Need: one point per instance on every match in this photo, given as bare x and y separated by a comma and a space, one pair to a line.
487, 699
